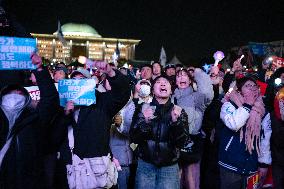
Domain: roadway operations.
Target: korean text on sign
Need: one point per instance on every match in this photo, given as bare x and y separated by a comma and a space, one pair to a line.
15, 53
80, 91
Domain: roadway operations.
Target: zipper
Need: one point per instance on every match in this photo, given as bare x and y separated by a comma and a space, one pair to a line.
18, 144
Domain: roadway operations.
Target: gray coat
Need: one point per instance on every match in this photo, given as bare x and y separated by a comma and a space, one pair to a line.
119, 138
195, 102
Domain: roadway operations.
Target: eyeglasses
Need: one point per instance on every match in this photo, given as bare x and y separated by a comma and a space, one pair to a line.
251, 86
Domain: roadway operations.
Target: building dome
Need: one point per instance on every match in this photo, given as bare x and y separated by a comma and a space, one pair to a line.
73, 29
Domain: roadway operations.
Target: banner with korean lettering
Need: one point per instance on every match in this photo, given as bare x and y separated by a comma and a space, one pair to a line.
80, 91
15, 53
259, 48
35, 92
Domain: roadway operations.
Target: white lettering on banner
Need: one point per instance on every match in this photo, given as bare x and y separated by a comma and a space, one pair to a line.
10, 56
23, 64
35, 95
5, 64
90, 101
14, 64
76, 101
22, 49
2, 56
65, 82
83, 101
4, 48
29, 49
75, 82
74, 88
10, 41
13, 49
70, 95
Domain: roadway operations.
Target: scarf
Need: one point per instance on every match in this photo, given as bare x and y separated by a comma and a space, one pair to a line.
253, 125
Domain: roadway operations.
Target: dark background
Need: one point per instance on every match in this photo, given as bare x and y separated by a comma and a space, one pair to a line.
191, 30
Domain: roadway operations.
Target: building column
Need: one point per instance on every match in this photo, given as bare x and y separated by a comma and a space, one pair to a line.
87, 48
53, 48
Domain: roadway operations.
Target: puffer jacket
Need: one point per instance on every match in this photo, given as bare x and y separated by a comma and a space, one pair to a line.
158, 141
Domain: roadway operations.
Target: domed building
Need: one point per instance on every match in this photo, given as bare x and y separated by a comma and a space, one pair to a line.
83, 40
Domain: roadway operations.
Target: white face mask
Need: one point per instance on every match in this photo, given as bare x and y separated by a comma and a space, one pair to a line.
145, 90
12, 101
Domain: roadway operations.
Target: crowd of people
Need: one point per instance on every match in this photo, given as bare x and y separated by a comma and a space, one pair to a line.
152, 126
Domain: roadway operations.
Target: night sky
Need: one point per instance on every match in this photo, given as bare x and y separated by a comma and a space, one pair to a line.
189, 29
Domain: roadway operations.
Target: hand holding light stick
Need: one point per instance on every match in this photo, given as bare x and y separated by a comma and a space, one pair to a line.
218, 56
89, 63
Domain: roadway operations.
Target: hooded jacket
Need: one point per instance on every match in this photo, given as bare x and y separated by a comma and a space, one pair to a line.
22, 165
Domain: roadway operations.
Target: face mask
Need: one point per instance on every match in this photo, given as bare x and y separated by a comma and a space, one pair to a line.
12, 101
145, 90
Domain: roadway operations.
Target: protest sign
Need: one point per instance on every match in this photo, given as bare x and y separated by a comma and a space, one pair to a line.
15, 53
80, 91
35, 92
259, 48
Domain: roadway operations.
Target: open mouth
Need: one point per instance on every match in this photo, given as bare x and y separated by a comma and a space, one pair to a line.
182, 83
163, 90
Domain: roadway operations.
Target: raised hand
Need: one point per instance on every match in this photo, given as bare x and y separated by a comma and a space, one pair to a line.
36, 60
69, 107
117, 119
104, 67
176, 112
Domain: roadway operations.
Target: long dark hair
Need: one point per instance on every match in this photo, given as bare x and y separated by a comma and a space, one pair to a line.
189, 76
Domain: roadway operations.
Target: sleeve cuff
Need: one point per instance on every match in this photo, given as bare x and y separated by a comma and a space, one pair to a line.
247, 107
263, 165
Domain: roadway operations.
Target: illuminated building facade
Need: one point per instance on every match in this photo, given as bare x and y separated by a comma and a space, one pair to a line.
83, 40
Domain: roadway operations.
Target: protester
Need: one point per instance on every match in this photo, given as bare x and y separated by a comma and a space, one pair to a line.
120, 147
159, 128
146, 72
231, 76
209, 164
91, 124
179, 67
273, 87
245, 137
194, 103
157, 70
277, 142
170, 71
23, 130
60, 73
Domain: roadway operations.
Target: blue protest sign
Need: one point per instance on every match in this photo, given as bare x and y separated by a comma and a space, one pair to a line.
80, 91
258, 48
15, 53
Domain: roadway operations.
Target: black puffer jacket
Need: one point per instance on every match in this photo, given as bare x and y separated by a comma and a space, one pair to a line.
158, 141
